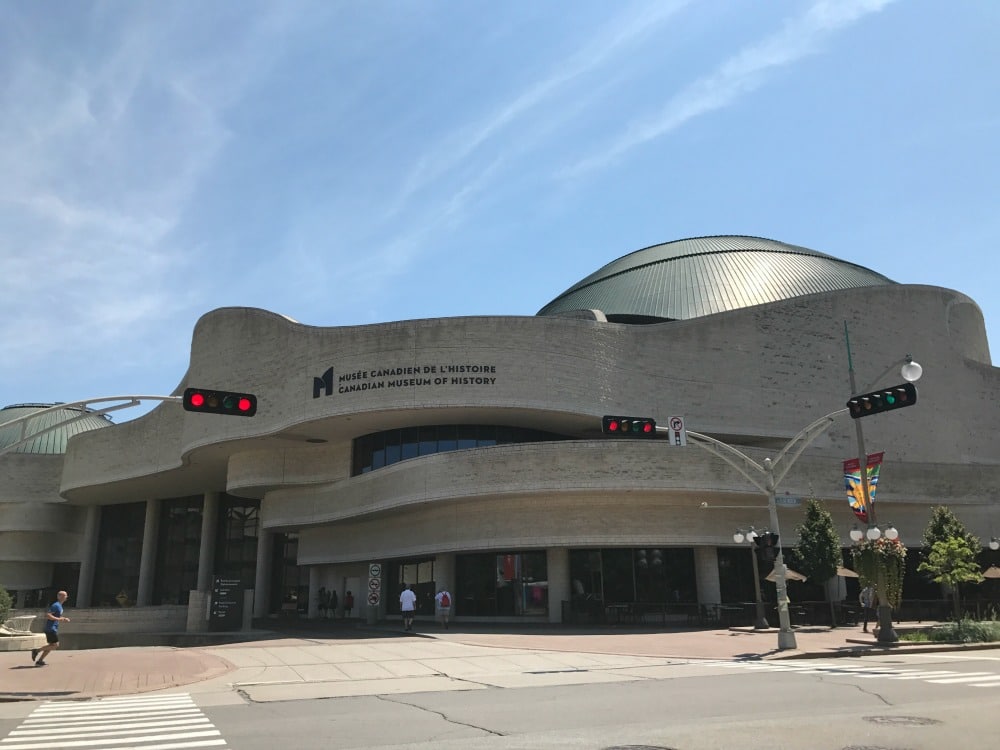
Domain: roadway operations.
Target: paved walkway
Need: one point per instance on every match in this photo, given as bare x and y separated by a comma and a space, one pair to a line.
370, 660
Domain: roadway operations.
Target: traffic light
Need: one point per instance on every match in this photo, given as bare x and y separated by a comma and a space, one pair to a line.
882, 400
640, 427
767, 546
220, 402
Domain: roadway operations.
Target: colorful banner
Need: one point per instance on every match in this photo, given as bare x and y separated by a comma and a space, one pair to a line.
852, 483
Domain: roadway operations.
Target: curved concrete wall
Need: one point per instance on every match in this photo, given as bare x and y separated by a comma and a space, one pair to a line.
751, 377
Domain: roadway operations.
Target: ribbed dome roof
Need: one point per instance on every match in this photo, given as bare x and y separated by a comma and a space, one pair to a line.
53, 441
704, 275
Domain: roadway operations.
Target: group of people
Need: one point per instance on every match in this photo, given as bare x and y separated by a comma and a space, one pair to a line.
408, 606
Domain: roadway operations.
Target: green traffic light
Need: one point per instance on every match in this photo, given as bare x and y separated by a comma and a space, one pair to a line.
890, 399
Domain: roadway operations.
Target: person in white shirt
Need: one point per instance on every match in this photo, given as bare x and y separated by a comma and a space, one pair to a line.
442, 602
408, 606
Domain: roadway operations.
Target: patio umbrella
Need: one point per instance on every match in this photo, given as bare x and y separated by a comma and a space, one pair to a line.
846, 572
992, 572
790, 575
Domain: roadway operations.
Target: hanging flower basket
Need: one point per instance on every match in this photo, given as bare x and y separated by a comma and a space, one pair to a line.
881, 563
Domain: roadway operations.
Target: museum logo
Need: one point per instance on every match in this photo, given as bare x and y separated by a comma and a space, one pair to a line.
323, 384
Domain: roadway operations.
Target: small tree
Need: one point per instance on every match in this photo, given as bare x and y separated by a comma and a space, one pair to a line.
5, 604
944, 525
953, 562
818, 550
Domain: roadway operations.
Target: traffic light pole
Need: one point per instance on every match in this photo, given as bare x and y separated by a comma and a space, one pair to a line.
766, 477
886, 632
86, 410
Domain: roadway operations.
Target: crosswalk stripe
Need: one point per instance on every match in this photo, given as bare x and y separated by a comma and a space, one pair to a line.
109, 741
936, 676
967, 677
171, 722
111, 713
109, 728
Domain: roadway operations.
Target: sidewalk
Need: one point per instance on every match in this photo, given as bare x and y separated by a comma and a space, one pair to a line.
262, 657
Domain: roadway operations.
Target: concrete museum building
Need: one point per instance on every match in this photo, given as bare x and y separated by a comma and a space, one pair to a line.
467, 453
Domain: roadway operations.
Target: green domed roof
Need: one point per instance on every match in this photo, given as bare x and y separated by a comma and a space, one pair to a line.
53, 441
704, 275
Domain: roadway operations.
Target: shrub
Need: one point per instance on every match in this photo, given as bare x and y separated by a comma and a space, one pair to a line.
5, 604
967, 631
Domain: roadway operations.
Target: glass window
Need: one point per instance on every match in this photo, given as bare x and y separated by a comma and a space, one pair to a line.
419, 575
466, 436
236, 545
393, 449
505, 584
428, 441
386, 448
411, 443
378, 451
177, 550
119, 549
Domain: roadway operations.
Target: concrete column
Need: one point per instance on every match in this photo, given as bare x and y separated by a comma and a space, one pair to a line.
444, 573
314, 586
557, 570
206, 550
147, 562
706, 575
88, 558
262, 576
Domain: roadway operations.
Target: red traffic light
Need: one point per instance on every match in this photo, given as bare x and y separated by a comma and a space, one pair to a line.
220, 402
640, 427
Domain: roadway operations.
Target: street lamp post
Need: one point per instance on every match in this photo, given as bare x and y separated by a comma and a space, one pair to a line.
911, 372
766, 477
751, 536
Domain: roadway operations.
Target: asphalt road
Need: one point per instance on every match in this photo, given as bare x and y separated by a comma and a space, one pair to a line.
896, 702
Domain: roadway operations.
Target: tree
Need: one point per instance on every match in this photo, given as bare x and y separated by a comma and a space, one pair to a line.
945, 525
953, 562
5, 604
818, 550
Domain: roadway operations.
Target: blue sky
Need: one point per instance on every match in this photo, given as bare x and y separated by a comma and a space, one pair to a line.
349, 163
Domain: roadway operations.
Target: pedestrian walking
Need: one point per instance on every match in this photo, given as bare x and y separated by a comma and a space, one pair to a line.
442, 603
408, 606
867, 601
348, 603
52, 619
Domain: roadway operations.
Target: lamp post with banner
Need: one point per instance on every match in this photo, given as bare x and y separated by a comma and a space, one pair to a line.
891, 547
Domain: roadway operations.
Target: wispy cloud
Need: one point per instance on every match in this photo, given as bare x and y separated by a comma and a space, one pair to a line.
801, 36
452, 151
101, 156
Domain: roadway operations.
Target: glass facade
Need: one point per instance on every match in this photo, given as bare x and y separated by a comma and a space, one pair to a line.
385, 448
501, 584
655, 575
177, 550
289, 580
419, 574
119, 550
736, 575
236, 539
